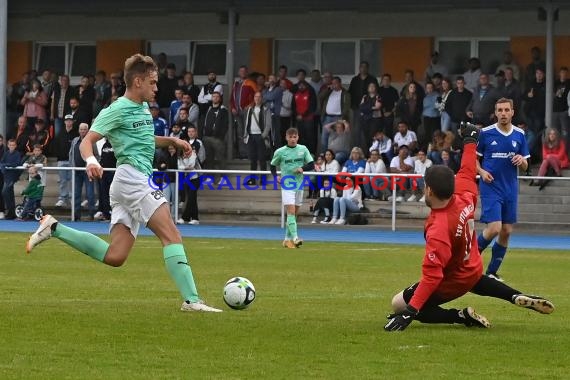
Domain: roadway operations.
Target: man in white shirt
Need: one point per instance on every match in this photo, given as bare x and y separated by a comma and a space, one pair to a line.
420, 166
375, 188
405, 137
383, 144
402, 164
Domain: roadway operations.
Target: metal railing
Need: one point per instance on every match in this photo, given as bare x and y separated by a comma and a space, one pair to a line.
255, 174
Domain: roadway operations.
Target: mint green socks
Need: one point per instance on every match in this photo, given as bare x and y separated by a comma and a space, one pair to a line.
179, 269
292, 225
87, 243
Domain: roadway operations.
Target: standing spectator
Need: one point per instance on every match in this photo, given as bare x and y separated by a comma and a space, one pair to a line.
192, 164
40, 136
283, 76
205, 96
560, 119
405, 137
535, 107
316, 81
34, 101
401, 164
435, 67
508, 63
374, 167
286, 110
81, 175
472, 75
536, 64
383, 144
440, 104
160, 124
167, 84
60, 103
2, 151
189, 87
79, 115
19, 89
107, 160
480, 108
512, 90
357, 89
408, 79
117, 87
301, 76
11, 159
86, 95
183, 121
305, 105
102, 92
371, 113
193, 110
420, 166
257, 135
175, 106
62, 147
214, 133
21, 135
457, 102
273, 97
339, 139
498, 183
241, 97
409, 107
336, 104
389, 96
554, 155
430, 114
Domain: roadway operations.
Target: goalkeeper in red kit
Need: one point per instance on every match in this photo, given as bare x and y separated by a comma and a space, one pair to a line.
452, 265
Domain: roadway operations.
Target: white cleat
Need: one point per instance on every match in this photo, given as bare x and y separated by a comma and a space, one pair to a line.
298, 242
198, 306
42, 234
536, 303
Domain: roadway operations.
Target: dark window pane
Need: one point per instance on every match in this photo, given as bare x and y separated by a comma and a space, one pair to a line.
491, 54
454, 55
370, 52
176, 52
52, 58
83, 60
338, 57
295, 54
210, 56
241, 54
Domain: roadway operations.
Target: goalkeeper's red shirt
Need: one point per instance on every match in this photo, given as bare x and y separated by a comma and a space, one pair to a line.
452, 263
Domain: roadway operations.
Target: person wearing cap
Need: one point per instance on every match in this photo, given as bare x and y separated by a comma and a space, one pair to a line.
62, 145
435, 67
205, 96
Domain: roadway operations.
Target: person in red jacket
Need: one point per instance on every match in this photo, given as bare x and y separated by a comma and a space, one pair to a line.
553, 155
241, 98
305, 105
452, 265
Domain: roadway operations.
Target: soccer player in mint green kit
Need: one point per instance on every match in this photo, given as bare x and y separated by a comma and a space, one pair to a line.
127, 124
293, 159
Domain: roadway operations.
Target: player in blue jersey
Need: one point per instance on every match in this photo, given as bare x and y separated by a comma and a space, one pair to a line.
503, 150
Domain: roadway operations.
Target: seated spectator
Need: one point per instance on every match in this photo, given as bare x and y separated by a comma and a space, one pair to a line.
175, 131
160, 124
40, 136
356, 164
401, 164
317, 180
351, 201
435, 147
430, 114
420, 166
34, 193
448, 161
405, 137
21, 135
38, 160
383, 144
339, 139
325, 203
330, 165
554, 156
11, 159
374, 167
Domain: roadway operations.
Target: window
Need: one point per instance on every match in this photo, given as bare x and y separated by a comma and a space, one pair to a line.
370, 52
455, 53
208, 56
338, 57
177, 52
241, 54
70, 58
295, 54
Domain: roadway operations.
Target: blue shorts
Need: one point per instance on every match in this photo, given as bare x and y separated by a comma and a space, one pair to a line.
495, 209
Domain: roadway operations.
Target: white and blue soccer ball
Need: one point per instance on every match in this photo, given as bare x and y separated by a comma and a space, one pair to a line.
239, 293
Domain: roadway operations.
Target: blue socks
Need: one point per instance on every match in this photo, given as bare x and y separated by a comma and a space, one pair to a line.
482, 242
498, 253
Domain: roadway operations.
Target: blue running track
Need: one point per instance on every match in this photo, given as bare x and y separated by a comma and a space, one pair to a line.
349, 234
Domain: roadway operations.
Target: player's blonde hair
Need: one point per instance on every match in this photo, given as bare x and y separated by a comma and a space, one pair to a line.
138, 65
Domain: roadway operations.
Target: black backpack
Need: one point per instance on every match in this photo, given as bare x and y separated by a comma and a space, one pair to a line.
357, 219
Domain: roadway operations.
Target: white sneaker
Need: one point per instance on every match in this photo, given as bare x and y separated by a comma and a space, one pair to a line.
422, 199
85, 203
399, 198
333, 221
60, 203
341, 221
180, 221
314, 221
43, 232
198, 306
2, 216
97, 204
298, 242
413, 198
98, 215
194, 222
390, 198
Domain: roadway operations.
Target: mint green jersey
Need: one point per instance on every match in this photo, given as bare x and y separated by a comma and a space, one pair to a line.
288, 159
130, 129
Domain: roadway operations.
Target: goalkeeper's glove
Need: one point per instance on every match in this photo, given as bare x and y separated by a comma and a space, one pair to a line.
399, 321
469, 132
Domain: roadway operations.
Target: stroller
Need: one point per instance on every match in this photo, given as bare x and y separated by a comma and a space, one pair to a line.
35, 211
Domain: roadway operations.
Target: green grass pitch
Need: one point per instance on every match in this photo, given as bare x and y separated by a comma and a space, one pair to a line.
319, 314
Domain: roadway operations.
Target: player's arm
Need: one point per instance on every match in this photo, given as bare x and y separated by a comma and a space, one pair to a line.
165, 141
93, 168
275, 161
465, 178
309, 163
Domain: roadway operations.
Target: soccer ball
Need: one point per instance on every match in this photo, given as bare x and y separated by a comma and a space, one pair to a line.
239, 293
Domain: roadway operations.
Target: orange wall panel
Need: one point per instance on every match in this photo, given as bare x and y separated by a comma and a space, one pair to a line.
521, 46
19, 59
261, 52
401, 53
111, 54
